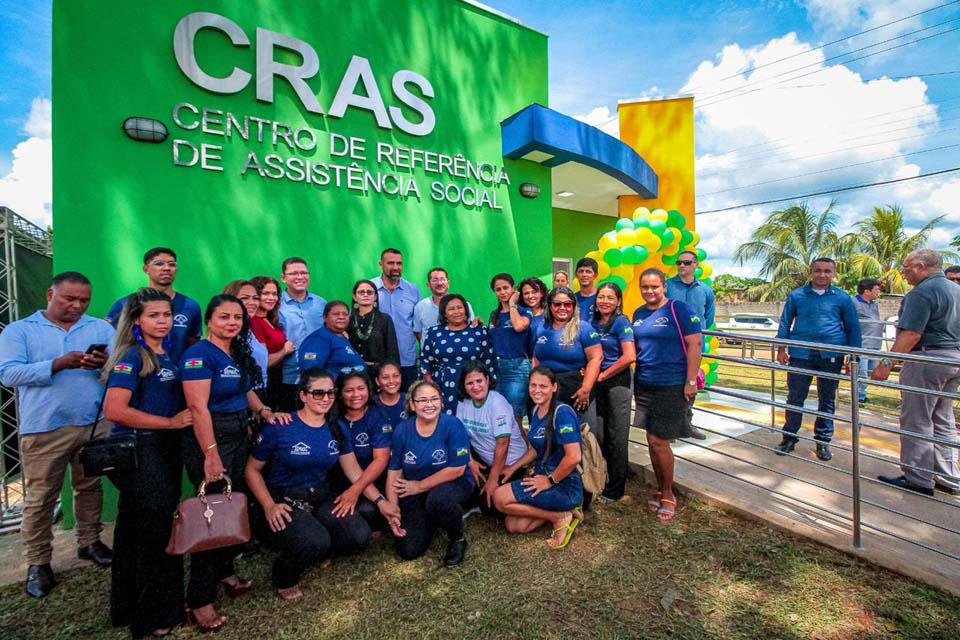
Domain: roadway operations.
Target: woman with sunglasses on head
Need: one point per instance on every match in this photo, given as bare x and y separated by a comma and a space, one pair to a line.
370, 433
571, 349
219, 374
371, 331
265, 325
145, 397
669, 344
390, 398
495, 437
246, 292
289, 474
613, 385
554, 492
428, 476
329, 346
448, 346
510, 333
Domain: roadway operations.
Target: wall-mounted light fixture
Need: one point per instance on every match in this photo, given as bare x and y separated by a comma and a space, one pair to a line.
529, 190
145, 130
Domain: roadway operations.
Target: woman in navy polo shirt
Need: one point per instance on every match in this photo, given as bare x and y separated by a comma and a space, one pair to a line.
570, 347
510, 332
329, 346
219, 374
144, 397
370, 432
669, 343
534, 294
289, 474
427, 477
391, 399
613, 384
554, 492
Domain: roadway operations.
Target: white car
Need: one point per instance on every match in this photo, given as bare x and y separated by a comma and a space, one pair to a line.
749, 323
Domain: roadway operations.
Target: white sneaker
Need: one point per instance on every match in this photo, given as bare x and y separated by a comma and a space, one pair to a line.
470, 512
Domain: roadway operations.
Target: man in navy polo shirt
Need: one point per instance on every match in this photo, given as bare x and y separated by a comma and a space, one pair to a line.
587, 272
817, 312
160, 265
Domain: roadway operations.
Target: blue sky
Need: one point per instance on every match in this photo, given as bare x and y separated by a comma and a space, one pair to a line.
868, 120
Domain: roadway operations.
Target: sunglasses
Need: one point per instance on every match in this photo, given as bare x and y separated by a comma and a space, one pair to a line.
318, 394
685, 263
562, 305
362, 292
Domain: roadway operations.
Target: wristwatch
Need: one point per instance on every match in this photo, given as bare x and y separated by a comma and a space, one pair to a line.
553, 482
887, 362
691, 383
379, 499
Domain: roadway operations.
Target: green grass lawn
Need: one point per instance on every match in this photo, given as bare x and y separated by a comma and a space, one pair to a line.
707, 575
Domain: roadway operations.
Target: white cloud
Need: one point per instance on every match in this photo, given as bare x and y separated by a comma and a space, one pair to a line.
826, 130
602, 119
833, 16
27, 188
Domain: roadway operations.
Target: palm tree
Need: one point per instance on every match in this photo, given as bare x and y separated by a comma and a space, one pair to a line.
785, 245
882, 244
955, 243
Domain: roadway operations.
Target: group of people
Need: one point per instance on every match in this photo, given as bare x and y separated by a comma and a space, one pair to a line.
391, 413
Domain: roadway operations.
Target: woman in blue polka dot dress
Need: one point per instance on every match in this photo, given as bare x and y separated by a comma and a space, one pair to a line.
448, 346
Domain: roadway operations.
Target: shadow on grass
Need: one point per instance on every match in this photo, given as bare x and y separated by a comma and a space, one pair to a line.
708, 574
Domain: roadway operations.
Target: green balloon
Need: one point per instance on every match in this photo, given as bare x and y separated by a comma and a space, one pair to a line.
708, 282
712, 378
624, 223
698, 273
658, 227
676, 219
642, 254
686, 237
617, 280
630, 255
613, 257
701, 255
706, 347
668, 236
641, 223
670, 260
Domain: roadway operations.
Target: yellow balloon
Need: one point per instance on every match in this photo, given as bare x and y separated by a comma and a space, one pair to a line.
672, 271
604, 271
607, 241
671, 249
707, 270
640, 212
705, 368
652, 244
596, 255
659, 214
625, 271
696, 239
626, 238
643, 236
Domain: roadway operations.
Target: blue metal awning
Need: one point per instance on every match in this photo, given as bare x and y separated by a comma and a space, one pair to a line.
552, 139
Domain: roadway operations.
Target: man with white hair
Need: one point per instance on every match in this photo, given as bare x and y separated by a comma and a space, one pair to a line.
929, 324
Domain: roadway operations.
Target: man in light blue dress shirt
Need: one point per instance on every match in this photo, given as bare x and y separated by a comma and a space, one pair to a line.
301, 313
397, 298
53, 359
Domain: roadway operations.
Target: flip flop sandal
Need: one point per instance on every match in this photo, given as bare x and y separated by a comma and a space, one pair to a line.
665, 513
570, 528
653, 504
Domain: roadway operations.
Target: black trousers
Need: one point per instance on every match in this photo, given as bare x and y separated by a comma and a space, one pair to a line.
439, 508
146, 591
613, 408
208, 568
312, 534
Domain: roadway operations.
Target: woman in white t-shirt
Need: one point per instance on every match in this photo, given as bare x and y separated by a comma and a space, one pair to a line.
495, 437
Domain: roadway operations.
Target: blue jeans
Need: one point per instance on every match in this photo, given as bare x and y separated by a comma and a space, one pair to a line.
512, 380
798, 386
867, 365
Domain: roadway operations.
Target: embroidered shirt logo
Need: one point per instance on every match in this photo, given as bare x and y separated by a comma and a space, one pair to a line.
230, 371
409, 458
181, 321
166, 375
439, 456
661, 322
362, 439
334, 447
193, 363
300, 449
123, 367
310, 356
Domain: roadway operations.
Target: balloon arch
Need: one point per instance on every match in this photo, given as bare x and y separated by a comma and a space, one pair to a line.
651, 240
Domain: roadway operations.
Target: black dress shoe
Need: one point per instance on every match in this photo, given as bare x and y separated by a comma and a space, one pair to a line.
98, 553
786, 446
823, 451
901, 481
40, 580
696, 434
456, 550
950, 491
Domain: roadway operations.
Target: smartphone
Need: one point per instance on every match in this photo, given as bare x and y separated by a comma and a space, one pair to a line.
102, 347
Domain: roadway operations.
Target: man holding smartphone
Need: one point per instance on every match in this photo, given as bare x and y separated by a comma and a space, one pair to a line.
160, 265
53, 359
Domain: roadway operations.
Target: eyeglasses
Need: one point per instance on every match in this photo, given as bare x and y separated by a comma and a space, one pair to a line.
364, 292
433, 400
685, 263
165, 263
439, 280
297, 274
561, 305
318, 394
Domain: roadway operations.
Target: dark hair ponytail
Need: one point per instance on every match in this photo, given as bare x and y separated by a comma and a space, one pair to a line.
495, 314
240, 350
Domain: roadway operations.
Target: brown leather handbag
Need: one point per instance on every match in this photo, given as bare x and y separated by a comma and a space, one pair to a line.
210, 521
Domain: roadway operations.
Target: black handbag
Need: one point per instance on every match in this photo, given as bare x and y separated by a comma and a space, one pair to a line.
100, 456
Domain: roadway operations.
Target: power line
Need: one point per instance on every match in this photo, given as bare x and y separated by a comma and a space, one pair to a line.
846, 166
823, 46
716, 98
830, 191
